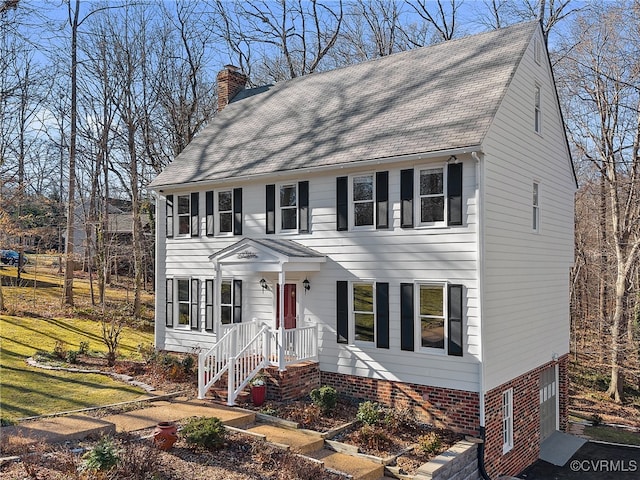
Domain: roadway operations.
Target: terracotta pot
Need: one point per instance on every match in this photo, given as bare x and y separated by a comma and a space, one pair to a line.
258, 394
165, 435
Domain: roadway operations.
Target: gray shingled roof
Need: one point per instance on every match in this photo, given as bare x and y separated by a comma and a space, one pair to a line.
429, 99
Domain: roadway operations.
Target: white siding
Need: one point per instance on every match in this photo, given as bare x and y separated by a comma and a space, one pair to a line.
526, 278
395, 255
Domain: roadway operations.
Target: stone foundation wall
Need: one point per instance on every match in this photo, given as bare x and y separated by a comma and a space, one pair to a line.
460, 462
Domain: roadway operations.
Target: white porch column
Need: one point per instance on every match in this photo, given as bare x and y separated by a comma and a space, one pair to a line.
217, 285
281, 359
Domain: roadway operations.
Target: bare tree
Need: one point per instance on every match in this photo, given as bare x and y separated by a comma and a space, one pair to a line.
600, 78
443, 19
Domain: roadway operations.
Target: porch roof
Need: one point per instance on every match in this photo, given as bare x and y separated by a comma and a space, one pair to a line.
269, 255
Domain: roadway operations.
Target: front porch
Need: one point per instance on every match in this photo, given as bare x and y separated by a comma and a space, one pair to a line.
244, 349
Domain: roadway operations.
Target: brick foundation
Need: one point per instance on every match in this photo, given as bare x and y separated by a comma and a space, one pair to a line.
442, 407
294, 383
526, 420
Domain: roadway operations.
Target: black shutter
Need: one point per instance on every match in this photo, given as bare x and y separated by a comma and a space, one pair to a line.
382, 200
454, 194
195, 214
169, 303
342, 311
169, 219
271, 208
342, 203
455, 320
382, 315
237, 211
303, 206
195, 304
406, 198
237, 301
210, 216
406, 317
208, 304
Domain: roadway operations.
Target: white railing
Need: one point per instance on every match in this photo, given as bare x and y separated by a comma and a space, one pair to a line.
213, 363
247, 363
246, 348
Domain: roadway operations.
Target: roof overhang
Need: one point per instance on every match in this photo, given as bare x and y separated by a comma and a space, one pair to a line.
268, 255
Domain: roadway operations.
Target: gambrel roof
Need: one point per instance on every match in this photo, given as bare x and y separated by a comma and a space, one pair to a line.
430, 99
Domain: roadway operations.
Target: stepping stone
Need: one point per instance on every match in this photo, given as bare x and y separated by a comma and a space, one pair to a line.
301, 442
359, 468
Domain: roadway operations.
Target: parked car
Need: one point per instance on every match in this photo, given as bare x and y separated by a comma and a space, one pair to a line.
11, 257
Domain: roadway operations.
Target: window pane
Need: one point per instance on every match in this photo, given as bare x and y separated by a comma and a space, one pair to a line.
225, 293
432, 209
183, 204
184, 225
363, 188
363, 213
431, 182
224, 201
432, 332
225, 314
226, 223
535, 194
183, 313
364, 327
183, 290
288, 196
431, 300
289, 219
363, 298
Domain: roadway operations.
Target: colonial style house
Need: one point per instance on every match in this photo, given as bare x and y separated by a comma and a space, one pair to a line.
401, 229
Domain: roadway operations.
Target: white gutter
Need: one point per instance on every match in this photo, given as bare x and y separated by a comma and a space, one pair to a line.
322, 168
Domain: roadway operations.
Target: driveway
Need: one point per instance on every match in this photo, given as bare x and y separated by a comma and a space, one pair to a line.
593, 461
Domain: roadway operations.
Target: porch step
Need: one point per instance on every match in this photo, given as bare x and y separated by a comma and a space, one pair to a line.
359, 468
220, 394
300, 442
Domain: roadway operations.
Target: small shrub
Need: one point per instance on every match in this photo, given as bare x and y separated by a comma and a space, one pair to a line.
103, 456
206, 433
60, 350
83, 349
5, 422
148, 352
429, 443
369, 413
72, 356
373, 438
188, 363
269, 411
325, 397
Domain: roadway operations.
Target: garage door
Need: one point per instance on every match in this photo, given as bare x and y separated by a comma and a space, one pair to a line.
548, 392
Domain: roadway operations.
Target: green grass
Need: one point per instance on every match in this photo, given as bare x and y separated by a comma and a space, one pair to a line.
613, 435
36, 321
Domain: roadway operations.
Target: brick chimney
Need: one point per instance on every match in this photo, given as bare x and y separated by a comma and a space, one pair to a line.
230, 83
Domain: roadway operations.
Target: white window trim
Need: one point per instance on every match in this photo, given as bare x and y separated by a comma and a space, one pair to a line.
507, 420
176, 303
352, 315
216, 212
535, 206
177, 215
218, 317
279, 208
352, 212
418, 197
418, 321
537, 120
537, 51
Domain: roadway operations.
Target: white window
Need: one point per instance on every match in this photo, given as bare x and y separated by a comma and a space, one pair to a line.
537, 121
225, 211
431, 316
507, 420
431, 188
183, 286
288, 207
364, 317
226, 302
184, 214
537, 51
536, 207
363, 195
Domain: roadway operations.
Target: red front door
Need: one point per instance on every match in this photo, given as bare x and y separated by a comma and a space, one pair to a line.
289, 306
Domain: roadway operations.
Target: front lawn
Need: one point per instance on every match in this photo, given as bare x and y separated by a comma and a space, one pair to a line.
37, 322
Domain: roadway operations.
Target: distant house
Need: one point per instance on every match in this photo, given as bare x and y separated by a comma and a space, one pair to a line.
401, 229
